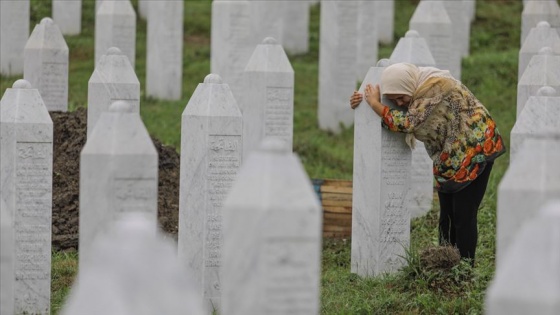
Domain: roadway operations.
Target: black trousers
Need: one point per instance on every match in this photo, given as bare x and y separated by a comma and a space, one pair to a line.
458, 212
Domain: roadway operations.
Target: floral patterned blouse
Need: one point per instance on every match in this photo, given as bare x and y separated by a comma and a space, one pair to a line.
457, 130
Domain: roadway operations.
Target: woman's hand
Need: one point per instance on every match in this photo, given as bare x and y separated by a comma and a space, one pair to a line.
373, 95
356, 99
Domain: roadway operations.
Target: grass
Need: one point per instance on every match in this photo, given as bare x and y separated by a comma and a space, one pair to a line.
490, 72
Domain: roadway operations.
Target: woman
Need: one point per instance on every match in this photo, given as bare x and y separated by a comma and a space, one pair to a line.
459, 135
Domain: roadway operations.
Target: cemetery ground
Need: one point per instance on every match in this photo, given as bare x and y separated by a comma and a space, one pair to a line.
490, 72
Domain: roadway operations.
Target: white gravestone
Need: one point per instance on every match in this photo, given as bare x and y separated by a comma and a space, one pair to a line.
26, 138
381, 180
46, 64
536, 11
14, 31
112, 80
134, 270
337, 63
431, 21
295, 27
367, 41
267, 17
115, 26
272, 237
539, 37
531, 180
68, 16
470, 7
461, 21
118, 173
267, 103
540, 111
386, 20
231, 41
414, 49
211, 153
528, 281
543, 70
164, 62
144, 8
7, 256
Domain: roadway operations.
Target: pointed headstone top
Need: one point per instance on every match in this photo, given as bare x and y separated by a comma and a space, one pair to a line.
120, 107
269, 41
543, 24
22, 84
213, 78
113, 51
545, 51
412, 34
383, 62
546, 91
274, 145
47, 21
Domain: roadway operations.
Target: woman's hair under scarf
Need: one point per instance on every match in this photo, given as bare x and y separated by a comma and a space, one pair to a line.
405, 78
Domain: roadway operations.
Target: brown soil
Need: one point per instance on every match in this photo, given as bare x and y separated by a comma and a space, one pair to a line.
439, 258
69, 138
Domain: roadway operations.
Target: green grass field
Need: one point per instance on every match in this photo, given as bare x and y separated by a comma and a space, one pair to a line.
490, 72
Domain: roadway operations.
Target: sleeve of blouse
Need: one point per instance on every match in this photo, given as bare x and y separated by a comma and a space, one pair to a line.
395, 120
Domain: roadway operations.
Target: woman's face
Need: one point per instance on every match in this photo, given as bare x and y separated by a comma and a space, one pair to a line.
402, 100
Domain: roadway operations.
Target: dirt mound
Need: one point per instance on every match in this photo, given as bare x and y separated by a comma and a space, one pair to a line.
439, 258
70, 131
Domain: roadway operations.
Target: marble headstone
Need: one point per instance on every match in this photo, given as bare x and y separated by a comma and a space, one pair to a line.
541, 111
272, 237
14, 31
539, 37
431, 21
337, 63
267, 18
164, 62
536, 11
143, 8
68, 16
528, 280
295, 27
543, 70
26, 138
381, 180
211, 153
461, 21
118, 173
413, 49
112, 80
267, 103
115, 26
7, 257
367, 45
385, 20
134, 270
470, 7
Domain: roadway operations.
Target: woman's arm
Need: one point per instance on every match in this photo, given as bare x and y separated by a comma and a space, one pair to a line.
373, 98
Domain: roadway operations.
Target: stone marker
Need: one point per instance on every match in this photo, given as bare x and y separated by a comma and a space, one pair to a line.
386, 21
461, 20
381, 180
267, 17
143, 8
7, 257
46, 64
431, 21
112, 80
367, 41
68, 16
272, 237
539, 37
531, 180
116, 176
295, 27
337, 63
115, 26
164, 62
211, 153
134, 269
267, 103
26, 138
528, 280
540, 111
14, 31
470, 7
413, 49
231, 41
543, 69
536, 11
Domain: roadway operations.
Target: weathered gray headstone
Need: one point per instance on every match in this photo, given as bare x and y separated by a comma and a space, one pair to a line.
540, 111
26, 138
543, 70
267, 17
528, 280
134, 269
268, 101
46, 64
539, 37
536, 11
381, 180
118, 173
367, 46
413, 49
385, 20
337, 63
295, 27
272, 237
164, 62
211, 153
68, 16
143, 8
115, 26
7, 257
431, 21
461, 21
112, 80
14, 31
470, 7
